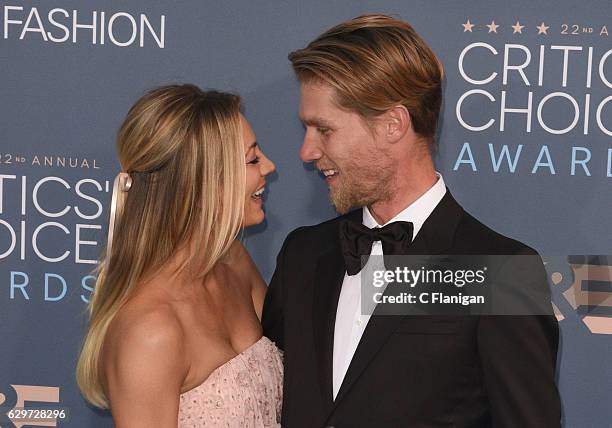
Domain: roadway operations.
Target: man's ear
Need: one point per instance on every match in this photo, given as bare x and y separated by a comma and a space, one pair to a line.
397, 123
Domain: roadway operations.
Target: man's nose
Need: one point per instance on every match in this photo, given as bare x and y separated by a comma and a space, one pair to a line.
310, 150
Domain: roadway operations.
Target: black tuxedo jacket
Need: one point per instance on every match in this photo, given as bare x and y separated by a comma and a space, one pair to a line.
412, 371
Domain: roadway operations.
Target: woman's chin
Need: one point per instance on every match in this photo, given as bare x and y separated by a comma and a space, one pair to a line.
254, 218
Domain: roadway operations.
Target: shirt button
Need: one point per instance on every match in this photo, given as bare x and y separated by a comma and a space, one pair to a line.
359, 322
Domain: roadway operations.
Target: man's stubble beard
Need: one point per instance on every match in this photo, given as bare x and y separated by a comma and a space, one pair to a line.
362, 185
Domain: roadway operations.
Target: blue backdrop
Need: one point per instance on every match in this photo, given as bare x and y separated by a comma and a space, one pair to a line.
524, 145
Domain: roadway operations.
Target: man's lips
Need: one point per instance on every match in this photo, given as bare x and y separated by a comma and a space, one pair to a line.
329, 172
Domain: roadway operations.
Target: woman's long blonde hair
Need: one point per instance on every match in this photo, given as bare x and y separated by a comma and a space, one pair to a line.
182, 148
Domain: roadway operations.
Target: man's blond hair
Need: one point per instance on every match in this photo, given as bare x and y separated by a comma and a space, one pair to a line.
374, 63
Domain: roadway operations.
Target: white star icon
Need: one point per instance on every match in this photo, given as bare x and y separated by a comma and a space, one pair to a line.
467, 26
518, 28
492, 27
542, 28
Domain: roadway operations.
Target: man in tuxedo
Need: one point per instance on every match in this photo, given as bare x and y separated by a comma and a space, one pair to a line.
370, 100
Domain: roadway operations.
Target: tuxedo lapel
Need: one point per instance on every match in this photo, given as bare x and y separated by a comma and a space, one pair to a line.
328, 283
329, 274
435, 236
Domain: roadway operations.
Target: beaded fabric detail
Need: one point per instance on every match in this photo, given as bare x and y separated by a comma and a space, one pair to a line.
244, 392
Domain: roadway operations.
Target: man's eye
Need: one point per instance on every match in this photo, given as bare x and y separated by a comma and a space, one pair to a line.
254, 161
323, 130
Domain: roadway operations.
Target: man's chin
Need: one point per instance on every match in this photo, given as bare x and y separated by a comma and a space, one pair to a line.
340, 205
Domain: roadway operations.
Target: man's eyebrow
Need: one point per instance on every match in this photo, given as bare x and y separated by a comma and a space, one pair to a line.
315, 121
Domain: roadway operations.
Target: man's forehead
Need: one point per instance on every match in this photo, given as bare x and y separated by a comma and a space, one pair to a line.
316, 103
316, 89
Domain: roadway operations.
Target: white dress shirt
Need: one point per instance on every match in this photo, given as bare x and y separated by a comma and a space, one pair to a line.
350, 322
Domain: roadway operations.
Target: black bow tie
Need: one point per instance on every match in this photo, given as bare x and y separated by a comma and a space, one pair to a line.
356, 241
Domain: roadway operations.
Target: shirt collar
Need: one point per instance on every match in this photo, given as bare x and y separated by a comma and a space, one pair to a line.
417, 212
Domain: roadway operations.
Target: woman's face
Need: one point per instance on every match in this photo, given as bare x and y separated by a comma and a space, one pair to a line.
257, 167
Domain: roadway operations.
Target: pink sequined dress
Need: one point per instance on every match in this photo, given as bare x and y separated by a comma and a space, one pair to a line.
245, 392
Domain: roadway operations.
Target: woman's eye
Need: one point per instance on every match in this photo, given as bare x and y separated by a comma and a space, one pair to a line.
254, 161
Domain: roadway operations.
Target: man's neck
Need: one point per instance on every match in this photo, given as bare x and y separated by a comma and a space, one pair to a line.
408, 190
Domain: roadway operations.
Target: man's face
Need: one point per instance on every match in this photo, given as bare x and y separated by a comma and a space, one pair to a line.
355, 162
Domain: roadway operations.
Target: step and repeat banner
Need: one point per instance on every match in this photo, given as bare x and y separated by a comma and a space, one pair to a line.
525, 145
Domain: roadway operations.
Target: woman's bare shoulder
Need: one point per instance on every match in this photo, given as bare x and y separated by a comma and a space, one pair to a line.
144, 363
139, 316
144, 325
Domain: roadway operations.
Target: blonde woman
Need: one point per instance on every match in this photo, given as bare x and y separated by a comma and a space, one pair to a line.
175, 338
